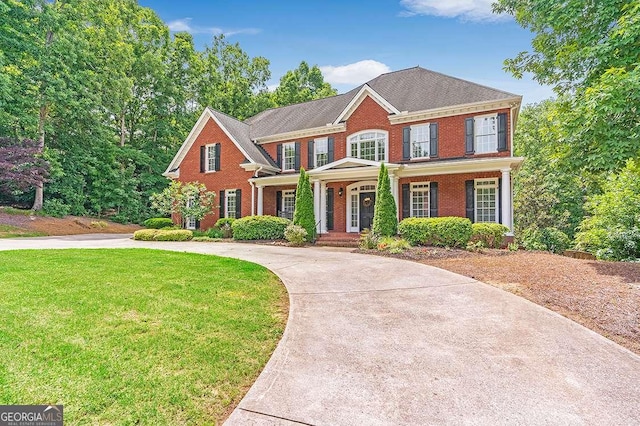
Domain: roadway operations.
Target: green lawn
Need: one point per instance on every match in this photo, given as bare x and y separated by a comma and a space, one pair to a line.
8, 231
134, 336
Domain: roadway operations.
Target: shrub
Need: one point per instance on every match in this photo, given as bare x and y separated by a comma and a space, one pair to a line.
157, 222
549, 239
368, 240
56, 208
224, 221
296, 235
205, 239
477, 246
260, 228
436, 231
489, 234
385, 215
162, 235
99, 224
214, 232
393, 244
622, 244
303, 214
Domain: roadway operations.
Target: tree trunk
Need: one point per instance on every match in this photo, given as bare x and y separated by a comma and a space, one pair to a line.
38, 200
123, 129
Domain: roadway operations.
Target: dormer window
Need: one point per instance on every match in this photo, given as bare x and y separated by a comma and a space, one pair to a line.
368, 145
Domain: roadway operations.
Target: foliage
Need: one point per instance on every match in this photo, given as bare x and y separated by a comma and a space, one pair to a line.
514, 246
158, 222
544, 239
301, 85
385, 215
8, 231
491, 235
368, 240
295, 234
163, 235
260, 228
224, 224
393, 245
99, 224
185, 199
215, 232
56, 208
205, 239
303, 214
21, 165
436, 231
614, 216
129, 314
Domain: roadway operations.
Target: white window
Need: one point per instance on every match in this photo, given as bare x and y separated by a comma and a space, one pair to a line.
288, 203
211, 157
190, 222
486, 200
420, 141
420, 199
486, 134
321, 147
289, 156
230, 203
368, 145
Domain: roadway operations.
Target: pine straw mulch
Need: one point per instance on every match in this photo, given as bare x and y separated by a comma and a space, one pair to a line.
602, 296
69, 225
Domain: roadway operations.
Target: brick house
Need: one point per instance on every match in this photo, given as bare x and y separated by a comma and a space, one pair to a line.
447, 144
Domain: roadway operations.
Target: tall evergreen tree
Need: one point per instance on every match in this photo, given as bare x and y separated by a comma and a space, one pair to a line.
303, 214
385, 214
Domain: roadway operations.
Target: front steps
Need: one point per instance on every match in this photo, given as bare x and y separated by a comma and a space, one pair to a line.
338, 239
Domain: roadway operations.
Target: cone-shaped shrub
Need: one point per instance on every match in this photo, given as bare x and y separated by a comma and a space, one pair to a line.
303, 214
385, 217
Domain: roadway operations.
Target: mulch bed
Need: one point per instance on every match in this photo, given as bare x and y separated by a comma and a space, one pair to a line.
602, 296
70, 225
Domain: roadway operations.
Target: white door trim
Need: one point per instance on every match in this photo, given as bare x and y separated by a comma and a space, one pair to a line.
355, 189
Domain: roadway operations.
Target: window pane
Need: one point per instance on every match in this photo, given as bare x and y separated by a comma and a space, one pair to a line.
368, 150
486, 134
211, 158
420, 200
486, 204
419, 141
231, 204
289, 156
322, 151
368, 146
288, 204
354, 210
381, 152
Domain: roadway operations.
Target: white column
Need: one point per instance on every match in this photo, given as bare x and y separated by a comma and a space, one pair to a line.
393, 180
506, 198
323, 207
260, 200
253, 199
316, 203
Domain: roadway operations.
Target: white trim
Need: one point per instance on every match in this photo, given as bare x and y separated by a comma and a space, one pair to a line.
227, 193
365, 91
491, 183
489, 164
349, 190
413, 185
298, 134
386, 144
448, 111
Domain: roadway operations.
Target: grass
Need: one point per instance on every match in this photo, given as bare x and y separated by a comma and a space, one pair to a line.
8, 231
134, 336
21, 212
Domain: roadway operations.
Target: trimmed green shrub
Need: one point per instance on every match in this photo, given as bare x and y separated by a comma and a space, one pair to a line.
545, 239
303, 214
385, 215
214, 233
491, 235
621, 244
393, 245
224, 221
224, 225
158, 222
205, 239
295, 234
436, 231
260, 228
162, 235
56, 208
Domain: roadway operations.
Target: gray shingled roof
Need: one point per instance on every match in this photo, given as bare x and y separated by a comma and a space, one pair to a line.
412, 89
240, 131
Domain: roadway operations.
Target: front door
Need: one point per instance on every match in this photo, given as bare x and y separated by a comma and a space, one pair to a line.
367, 202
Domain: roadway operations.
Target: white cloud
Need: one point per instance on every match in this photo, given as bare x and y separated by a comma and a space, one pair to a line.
471, 10
184, 24
356, 73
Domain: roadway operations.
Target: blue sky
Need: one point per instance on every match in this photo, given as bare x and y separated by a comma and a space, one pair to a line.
354, 41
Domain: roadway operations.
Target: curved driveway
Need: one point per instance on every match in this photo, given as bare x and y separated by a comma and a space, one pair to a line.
379, 341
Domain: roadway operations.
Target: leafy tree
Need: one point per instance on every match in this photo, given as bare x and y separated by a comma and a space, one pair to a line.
21, 165
301, 85
385, 214
303, 214
185, 199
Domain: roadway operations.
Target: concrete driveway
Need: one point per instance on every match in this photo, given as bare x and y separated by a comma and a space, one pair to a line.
377, 341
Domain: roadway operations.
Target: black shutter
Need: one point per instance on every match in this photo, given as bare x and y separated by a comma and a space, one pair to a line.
279, 156
470, 199
296, 164
217, 153
310, 156
330, 150
499, 197
329, 209
278, 202
433, 199
406, 143
203, 158
197, 224
433, 140
502, 131
468, 136
406, 201
221, 204
238, 203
